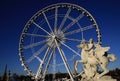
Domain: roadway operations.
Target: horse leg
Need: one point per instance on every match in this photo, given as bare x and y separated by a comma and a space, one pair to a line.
75, 66
105, 70
76, 63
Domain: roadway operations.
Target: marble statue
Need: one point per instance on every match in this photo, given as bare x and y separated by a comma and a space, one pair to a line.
93, 57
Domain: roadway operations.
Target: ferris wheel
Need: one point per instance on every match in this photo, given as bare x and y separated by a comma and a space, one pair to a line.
49, 39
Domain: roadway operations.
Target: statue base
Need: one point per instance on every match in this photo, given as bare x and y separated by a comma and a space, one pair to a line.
104, 78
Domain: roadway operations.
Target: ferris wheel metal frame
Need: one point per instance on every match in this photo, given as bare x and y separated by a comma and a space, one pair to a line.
55, 37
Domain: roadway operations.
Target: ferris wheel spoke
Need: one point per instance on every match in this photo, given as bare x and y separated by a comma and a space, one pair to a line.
43, 20
39, 59
34, 44
64, 60
64, 19
72, 23
51, 17
74, 40
48, 63
35, 35
37, 53
47, 22
41, 28
38, 74
56, 16
80, 30
70, 48
71, 18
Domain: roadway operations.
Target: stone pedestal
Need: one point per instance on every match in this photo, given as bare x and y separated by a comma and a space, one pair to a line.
104, 78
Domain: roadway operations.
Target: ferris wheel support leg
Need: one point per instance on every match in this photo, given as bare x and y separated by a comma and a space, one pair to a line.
65, 61
41, 65
54, 64
47, 66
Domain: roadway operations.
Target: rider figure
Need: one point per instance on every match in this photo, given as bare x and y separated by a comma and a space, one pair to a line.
90, 47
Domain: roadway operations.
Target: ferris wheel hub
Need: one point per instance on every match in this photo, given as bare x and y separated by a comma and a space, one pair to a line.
58, 35
53, 36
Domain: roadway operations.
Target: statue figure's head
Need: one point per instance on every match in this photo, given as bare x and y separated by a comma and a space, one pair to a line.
83, 41
90, 40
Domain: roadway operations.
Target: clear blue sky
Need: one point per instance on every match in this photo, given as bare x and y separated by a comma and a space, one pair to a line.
15, 13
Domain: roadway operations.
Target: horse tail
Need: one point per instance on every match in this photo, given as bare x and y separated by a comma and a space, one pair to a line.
112, 57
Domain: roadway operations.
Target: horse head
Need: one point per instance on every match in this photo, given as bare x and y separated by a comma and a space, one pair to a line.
80, 46
100, 51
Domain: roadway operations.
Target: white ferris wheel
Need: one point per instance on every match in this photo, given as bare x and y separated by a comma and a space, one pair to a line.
49, 39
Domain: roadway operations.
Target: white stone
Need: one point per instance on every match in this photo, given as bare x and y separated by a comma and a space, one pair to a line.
93, 57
